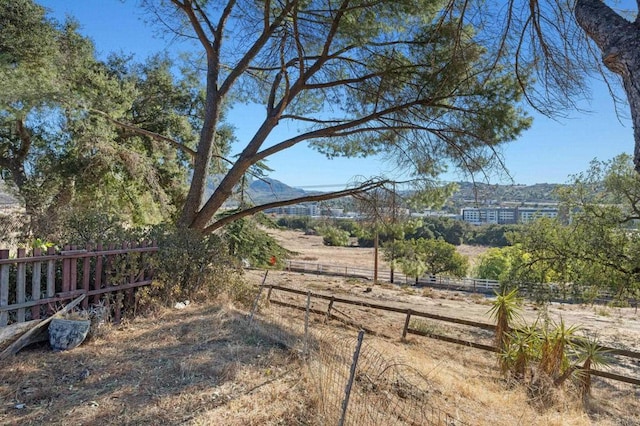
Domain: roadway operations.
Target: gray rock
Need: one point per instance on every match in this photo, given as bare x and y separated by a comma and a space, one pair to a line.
67, 334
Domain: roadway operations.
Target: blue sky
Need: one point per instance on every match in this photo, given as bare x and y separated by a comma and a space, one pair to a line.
548, 152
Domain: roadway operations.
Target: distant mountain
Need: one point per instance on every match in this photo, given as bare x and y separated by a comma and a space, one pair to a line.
268, 190
483, 193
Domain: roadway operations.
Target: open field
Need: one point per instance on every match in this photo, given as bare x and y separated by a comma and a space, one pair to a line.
204, 365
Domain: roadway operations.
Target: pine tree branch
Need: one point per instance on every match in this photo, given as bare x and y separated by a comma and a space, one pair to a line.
367, 186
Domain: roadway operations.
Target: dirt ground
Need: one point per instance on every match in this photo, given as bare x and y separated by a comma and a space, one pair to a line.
206, 365
616, 327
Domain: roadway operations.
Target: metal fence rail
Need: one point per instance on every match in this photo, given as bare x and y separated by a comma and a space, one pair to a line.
566, 293
453, 283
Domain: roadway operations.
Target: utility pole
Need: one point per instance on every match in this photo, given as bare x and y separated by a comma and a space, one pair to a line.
375, 257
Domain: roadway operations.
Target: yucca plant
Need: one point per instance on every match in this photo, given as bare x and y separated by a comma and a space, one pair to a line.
554, 350
592, 356
505, 310
523, 349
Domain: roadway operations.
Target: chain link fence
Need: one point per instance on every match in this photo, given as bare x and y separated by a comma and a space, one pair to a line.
12, 229
352, 382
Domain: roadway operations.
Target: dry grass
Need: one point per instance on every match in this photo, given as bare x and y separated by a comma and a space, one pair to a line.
194, 365
204, 365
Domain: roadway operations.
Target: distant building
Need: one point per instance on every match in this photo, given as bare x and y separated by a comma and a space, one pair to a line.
505, 215
527, 214
310, 209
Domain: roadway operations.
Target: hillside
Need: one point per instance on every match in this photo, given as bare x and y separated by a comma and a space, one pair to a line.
262, 191
483, 193
267, 190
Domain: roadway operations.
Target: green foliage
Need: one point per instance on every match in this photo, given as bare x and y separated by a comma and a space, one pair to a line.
491, 235
599, 248
68, 143
543, 357
247, 242
349, 225
592, 356
402, 78
189, 266
506, 308
416, 257
298, 222
332, 236
493, 264
556, 343
93, 227
450, 230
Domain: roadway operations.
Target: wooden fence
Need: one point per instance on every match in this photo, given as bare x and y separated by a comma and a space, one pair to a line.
31, 284
409, 313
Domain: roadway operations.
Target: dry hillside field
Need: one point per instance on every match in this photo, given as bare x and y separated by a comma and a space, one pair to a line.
204, 365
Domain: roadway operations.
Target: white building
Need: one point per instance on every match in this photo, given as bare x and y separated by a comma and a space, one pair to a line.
505, 215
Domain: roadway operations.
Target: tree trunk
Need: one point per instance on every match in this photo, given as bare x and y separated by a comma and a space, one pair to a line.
202, 159
619, 42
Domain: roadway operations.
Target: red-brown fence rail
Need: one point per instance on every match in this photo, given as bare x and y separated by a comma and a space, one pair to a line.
32, 283
407, 329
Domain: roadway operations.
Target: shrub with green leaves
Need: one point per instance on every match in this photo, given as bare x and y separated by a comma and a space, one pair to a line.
334, 237
247, 242
190, 266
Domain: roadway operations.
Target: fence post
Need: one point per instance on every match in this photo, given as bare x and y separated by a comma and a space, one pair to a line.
21, 278
329, 309
306, 325
36, 271
257, 299
51, 278
86, 271
97, 280
74, 270
269, 294
352, 375
406, 324
4, 288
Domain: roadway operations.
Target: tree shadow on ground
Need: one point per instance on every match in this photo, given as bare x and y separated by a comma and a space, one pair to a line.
150, 371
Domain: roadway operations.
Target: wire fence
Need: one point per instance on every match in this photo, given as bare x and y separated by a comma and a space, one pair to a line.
543, 292
12, 229
353, 382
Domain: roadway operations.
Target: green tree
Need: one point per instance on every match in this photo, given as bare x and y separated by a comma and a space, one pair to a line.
493, 264
417, 257
406, 78
333, 236
59, 148
598, 247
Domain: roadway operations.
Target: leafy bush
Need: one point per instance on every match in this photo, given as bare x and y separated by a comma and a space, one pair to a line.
190, 266
297, 222
334, 237
92, 227
247, 242
350, 225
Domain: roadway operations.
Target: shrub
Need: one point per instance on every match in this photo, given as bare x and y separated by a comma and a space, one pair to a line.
190, 266
296, 222
247, 242
334, 237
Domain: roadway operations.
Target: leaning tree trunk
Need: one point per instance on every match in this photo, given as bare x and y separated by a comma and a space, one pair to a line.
619, 42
